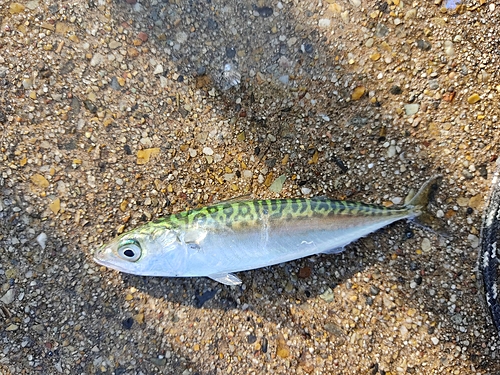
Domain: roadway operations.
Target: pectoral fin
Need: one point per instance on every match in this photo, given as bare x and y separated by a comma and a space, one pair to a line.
225, 278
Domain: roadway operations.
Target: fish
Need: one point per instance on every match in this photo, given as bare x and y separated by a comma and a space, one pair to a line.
219, 240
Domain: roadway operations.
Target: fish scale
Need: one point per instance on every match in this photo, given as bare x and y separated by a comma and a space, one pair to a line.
229, 237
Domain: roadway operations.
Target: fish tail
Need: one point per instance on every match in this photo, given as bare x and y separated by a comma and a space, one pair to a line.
419, 204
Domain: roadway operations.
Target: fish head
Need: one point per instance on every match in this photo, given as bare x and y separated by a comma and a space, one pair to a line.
145, 252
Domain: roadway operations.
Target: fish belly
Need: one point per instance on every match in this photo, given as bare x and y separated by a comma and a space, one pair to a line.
230, 250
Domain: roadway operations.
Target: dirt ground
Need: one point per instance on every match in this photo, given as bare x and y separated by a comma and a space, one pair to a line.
114, 113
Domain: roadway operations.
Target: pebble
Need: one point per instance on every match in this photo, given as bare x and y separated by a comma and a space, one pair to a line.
411, 109
324, 22
474, 98
358, 93
391, 151
381, 30
277, 185
208, 151
435, 340
426, 245
424, 45
433, 84
395, 90
327, 295
97, 59
304, 272
16, 8
12, 327
158, 69
42, 240
113, 45
8, 297
40, 181
449, 48
355, 3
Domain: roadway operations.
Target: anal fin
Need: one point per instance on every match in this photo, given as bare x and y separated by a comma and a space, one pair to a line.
225, 278
335, 250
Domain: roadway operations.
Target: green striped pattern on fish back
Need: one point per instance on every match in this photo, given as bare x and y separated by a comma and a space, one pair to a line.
248, 213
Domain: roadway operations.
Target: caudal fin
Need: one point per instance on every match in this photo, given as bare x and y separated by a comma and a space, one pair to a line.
420, 202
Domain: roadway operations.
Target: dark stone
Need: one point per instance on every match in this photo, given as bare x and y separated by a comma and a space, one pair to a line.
424, 45
71, 145
483, 172
201, 71
114, 84
127, 150
418, 280
271, 162
264, 11
251, 339
308, 48
230, 52
212, 24
127, 323
340, 163
263, 345
91, 107
75, 106
180, 78
3, 118
383, 6
374, 290
395, 90
200, 299
54, 8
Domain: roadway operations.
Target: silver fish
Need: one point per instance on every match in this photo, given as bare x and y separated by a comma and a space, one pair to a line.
218, 240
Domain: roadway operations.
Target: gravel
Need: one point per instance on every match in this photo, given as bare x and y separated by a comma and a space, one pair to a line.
116, 113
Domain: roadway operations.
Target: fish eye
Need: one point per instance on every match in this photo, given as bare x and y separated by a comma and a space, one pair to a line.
130, 250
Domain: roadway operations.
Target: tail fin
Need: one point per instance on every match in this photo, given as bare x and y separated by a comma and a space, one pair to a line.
420, 202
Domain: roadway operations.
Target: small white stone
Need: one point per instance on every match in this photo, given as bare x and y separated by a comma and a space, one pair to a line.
42, 240
426, 245
305, 190
324, 22
96, 59
448, 48
208, 151
158, 69
8, 297
435, 340
391, 151
355, 3
396, 200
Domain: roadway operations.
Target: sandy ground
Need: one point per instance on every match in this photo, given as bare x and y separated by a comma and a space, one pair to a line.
114, 113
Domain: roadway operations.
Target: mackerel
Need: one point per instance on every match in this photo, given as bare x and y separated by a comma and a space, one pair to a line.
229, 237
